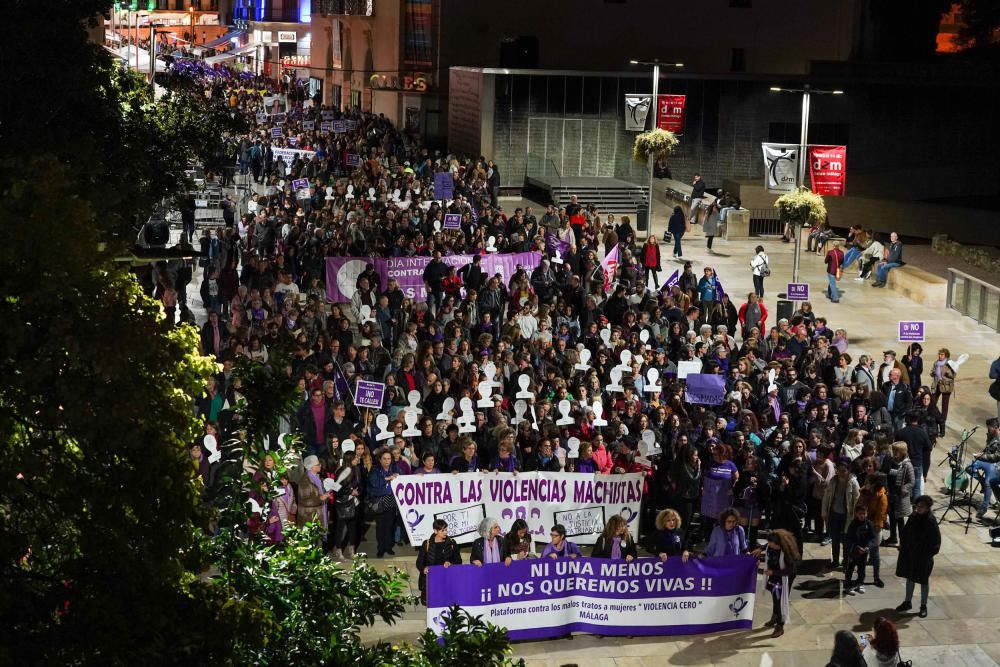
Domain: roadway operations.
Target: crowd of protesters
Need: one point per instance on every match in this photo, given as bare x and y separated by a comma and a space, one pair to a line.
808, 442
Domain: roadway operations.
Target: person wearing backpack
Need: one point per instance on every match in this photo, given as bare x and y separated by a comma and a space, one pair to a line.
761, 269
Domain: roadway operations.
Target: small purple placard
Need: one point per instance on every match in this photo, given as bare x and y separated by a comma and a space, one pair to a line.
369, 394
276, 132
452, 220
353, 160
798, 291
911, 332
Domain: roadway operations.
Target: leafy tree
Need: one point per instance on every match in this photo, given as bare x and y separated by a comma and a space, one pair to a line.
906, 30
979, 24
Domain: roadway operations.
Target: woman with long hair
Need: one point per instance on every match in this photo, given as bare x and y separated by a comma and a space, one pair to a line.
846, 652
781, 556
882, 648
615, 542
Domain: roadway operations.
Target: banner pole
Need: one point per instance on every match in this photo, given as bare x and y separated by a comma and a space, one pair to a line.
803, 156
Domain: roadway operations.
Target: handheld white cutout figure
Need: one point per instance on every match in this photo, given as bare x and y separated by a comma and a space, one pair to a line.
329, 193
616, 381
485, 389
490, 370
467, 422
584, 363
652, 381
955, 365
212, 446
411, 430
491, 244
523, 381
437, 226
350, 192
413, 398
626, 361
644, 336
520, 407
599, 419
573, 448
382, 421
446, 407
347, 446
771, 385
366, 314
606, 336
371, 194
330, 485
649, 446
565, 407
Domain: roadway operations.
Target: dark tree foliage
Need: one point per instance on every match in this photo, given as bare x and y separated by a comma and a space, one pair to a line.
906, 30
980, 23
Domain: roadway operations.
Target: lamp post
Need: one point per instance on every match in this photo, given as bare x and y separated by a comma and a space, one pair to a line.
191, 12
654, 103
800, 180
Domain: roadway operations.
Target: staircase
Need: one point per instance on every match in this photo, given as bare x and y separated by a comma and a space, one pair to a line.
610, 195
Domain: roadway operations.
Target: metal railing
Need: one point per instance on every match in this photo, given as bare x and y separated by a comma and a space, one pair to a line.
765, 222
536, 165
974, 298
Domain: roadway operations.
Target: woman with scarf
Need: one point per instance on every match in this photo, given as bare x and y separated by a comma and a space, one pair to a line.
615, 542
585, 463
728, 537
943, 383
347, 507
505, 460
489, 546
560, 547
780, 557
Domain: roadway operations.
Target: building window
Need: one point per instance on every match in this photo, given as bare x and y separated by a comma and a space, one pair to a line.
738, 60
355, 99
741, 4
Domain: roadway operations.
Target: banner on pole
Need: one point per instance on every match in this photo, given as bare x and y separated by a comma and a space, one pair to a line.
369, 394
610, 266
342, 272
705, 388
444, 185
555, 246
581, 502
781, 167
828, 170
670, 113
542, 598
636, 112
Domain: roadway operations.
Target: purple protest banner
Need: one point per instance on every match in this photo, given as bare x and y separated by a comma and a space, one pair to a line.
326, 126
705, 388
452, 220
542, 598
674, 279
911, 332
555, 246
342, 272
798, 291
353, 160
276, 132
339, 126
369, 394
444, 185
308, 125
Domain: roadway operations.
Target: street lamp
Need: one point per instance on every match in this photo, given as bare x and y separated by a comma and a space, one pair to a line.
653, 103
806, 91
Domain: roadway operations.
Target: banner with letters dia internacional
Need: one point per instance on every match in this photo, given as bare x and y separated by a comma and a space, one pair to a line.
828, 170
582, 502
540, 598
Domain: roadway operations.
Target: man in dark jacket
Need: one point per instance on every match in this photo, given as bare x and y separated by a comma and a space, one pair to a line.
697, 196
918, 444
434, 275
472, 274
898, 397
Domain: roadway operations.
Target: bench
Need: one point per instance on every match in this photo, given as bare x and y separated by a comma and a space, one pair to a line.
918, 285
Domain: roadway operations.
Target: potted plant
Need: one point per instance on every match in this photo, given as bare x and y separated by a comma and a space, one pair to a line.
654, 144
801, 207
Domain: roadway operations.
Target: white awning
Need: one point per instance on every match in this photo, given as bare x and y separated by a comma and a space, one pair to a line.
242, 51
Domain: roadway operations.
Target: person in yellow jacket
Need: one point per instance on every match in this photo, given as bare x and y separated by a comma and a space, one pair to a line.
875, 498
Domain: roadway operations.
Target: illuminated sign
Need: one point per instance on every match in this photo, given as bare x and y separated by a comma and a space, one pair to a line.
295, 61
288, 36
415, 82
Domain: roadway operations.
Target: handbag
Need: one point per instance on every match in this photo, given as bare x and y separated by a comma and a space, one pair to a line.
379, 504
902, 663
346, 508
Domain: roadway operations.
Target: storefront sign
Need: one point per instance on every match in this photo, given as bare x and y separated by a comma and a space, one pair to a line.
286, 36
415, 82
828, 170
543, 598
670, 113
295, 61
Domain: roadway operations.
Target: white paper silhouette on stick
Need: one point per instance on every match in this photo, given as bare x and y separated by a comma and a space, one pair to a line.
520, 408
446, 407
652, 381
411, 430
573, 448
599, 419
584, 363
413, 398
565, 407
616, 381
523, 381
382, 421
485, 401
467, 422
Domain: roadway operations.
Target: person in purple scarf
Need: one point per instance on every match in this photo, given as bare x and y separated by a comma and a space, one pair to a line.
312, 495
586, 461
505, 461
488, 548
560, 547
728, 537
615, 542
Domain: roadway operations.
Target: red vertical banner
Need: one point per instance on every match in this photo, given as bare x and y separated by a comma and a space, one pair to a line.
828, 170
670, 113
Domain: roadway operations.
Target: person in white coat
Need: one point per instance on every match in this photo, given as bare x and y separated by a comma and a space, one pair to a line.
760, 268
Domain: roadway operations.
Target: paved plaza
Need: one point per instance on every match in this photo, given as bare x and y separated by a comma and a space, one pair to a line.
964, 608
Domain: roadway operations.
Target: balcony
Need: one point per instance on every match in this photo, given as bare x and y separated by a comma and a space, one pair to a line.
344, 7
269, 15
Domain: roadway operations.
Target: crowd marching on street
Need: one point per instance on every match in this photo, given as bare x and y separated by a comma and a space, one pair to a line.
809, 442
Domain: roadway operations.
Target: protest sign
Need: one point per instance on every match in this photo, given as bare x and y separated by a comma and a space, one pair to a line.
342, 272
452, 221
369, 394
542, 598
353, 160
705, 388
444, 185
581, 502
326, 126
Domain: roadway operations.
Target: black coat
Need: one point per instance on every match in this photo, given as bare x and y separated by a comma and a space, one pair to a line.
919, 542
602, 548
479, 547
656, 259
677, 224
436, 553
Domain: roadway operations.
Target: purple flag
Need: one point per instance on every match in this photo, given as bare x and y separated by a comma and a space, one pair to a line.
705, 388
554, 245
341, 388
540, 598
674, 279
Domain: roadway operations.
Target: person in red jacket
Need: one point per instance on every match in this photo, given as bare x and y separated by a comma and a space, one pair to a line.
452, 284
753, 314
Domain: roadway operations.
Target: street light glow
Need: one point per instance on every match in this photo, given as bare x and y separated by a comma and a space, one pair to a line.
633, 62
775, 89
838, 92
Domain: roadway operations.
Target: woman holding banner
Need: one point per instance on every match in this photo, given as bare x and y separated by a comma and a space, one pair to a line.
517, 542
615, 542
488, 547
438, 550
381, 504
560, 547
